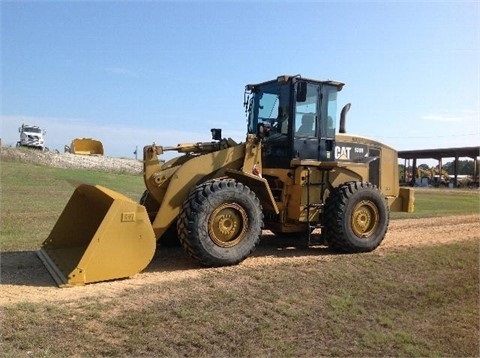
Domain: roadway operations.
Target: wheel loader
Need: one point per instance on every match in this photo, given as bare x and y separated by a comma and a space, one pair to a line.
294, 173
85, 146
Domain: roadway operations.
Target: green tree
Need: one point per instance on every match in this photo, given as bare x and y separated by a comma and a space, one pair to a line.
465, 167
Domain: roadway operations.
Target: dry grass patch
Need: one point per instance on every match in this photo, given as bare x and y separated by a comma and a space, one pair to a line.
418, 302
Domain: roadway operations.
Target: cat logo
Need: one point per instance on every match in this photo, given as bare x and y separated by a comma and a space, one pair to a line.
354, 153
342, 153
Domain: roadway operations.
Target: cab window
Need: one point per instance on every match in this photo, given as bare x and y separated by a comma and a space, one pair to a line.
305, 114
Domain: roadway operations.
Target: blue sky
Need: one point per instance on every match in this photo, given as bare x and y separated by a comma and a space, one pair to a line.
133, 72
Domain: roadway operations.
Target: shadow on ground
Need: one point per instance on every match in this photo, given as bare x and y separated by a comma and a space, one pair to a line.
24, 268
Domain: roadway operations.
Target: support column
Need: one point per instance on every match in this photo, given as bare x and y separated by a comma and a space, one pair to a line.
455, 172
414, 171
440, 172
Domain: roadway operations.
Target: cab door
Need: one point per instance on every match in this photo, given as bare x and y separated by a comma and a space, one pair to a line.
307, 129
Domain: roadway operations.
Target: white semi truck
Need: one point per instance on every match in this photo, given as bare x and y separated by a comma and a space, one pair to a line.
31, 136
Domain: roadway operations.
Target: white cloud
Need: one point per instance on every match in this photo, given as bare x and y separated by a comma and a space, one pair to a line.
441, 118
461, 116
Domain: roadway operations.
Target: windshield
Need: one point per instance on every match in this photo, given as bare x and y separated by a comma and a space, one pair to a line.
268, 105
32, 129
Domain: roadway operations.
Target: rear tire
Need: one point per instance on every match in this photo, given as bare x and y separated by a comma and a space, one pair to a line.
220, 223
355, 218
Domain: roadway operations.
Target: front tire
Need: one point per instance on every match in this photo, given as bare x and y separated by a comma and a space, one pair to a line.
355, 218
220, 223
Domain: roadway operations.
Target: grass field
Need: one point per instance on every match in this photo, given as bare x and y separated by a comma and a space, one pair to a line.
33, 197
415, 302
441, 202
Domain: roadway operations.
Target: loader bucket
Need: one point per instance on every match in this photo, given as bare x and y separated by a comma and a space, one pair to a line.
101, 235
86, 146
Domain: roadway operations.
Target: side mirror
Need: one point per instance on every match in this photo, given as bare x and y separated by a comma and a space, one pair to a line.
301, 91
216, 133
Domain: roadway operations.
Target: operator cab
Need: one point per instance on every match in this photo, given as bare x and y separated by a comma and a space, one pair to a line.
295, 117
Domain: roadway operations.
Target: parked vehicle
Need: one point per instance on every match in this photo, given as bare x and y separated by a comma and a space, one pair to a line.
31, 136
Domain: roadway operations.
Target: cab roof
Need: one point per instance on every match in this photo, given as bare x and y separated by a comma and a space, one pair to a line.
293, 79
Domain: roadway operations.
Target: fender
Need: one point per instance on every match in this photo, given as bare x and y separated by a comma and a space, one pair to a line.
342, 174
258, 185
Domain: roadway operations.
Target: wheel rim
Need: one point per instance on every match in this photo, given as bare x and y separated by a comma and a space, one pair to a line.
365, 219
228, 224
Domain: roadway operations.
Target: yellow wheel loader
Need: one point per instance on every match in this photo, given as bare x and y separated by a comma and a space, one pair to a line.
294, 173
85, 146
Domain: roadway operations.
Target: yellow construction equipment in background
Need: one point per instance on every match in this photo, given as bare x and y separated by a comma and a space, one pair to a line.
85, 146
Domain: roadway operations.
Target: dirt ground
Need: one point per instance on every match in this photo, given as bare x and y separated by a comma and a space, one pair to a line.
24, 278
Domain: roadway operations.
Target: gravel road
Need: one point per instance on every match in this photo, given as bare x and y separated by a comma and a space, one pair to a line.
24, 279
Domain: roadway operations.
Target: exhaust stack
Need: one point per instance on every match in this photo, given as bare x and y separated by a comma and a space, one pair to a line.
343, 116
